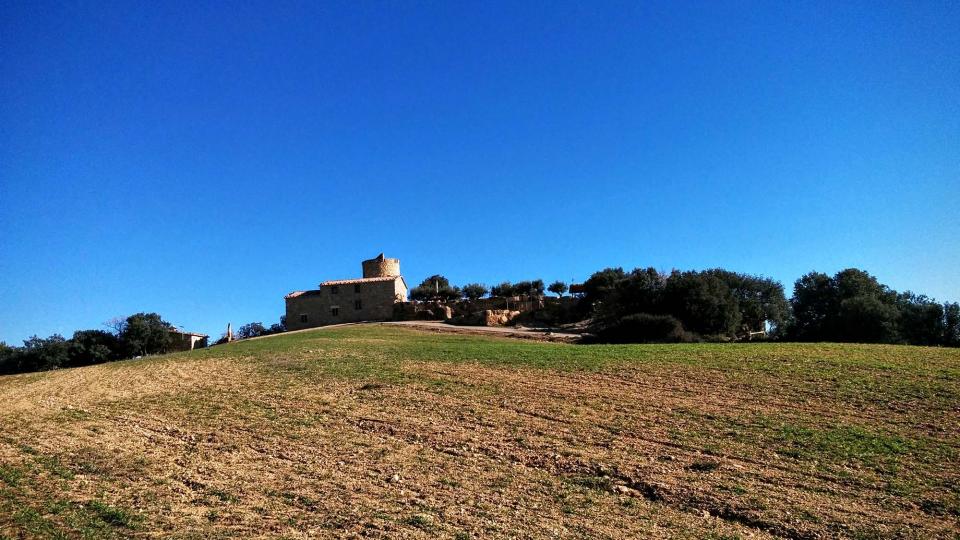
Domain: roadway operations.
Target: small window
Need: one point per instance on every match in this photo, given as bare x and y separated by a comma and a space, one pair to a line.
356, 288
334, 289
357, 305
335, 311
303, 317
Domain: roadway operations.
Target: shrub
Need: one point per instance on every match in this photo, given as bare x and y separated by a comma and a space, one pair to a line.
643, 328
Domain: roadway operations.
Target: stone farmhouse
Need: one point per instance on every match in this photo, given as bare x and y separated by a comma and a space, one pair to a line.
186, 341
370, 298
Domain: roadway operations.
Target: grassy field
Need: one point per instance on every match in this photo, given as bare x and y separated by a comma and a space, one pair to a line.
377, 431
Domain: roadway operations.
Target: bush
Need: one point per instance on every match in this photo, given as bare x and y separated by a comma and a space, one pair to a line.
643, 328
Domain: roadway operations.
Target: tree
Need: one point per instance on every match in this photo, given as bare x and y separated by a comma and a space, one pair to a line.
759, 300
851, 306
868, 319
435, 287
88, 347
40, 354
558, 288
640, 291
250, 330
951, 324
702, 302
280, 327
528, 288
145, 333
921, 320
504, 289
116, 324
815, 306
474, 291
601, 285
9, 359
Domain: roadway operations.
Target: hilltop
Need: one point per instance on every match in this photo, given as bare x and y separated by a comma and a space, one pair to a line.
383, 431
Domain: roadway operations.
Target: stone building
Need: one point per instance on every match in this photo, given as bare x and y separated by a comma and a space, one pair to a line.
370, 298
186, 341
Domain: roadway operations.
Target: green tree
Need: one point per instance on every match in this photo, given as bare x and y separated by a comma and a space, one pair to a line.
502, 290
145, 333
558, 288
815, 305
40, 354
474, 291
280, 327
250, 330
640, 291
528, 288
851, 306
9, 359
921, 320
601, 285
759, 300
435, 287
951, 324
702, 302
89, 347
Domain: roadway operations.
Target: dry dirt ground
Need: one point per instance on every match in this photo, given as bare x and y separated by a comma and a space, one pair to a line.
390, 432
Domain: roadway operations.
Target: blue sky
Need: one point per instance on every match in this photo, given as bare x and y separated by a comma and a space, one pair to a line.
201, 160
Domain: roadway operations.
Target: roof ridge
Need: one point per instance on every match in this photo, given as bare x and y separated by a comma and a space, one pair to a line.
358, 280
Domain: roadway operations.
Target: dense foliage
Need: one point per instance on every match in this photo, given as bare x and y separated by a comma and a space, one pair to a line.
435, 287
257, 329
474, 291
139, 334
145, 333
520, 288
852, 306
716, 303
558, 288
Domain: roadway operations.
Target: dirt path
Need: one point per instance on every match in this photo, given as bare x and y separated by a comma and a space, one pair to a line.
506, 331
519, 332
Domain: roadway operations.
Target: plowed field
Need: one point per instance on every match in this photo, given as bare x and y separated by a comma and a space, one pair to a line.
379, 431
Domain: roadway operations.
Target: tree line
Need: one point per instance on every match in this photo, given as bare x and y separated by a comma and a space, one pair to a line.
643, 305
717, 304
137, 335
437, 287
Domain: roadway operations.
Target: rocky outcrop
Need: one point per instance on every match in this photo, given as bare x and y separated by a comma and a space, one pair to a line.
498, 317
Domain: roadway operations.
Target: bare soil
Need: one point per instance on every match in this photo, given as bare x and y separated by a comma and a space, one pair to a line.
347, 433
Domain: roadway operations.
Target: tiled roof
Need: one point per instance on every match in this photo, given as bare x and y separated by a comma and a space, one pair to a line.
359, 280
175, 331
295, 294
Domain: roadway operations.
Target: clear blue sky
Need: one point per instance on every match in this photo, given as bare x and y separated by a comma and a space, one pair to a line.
201, 160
